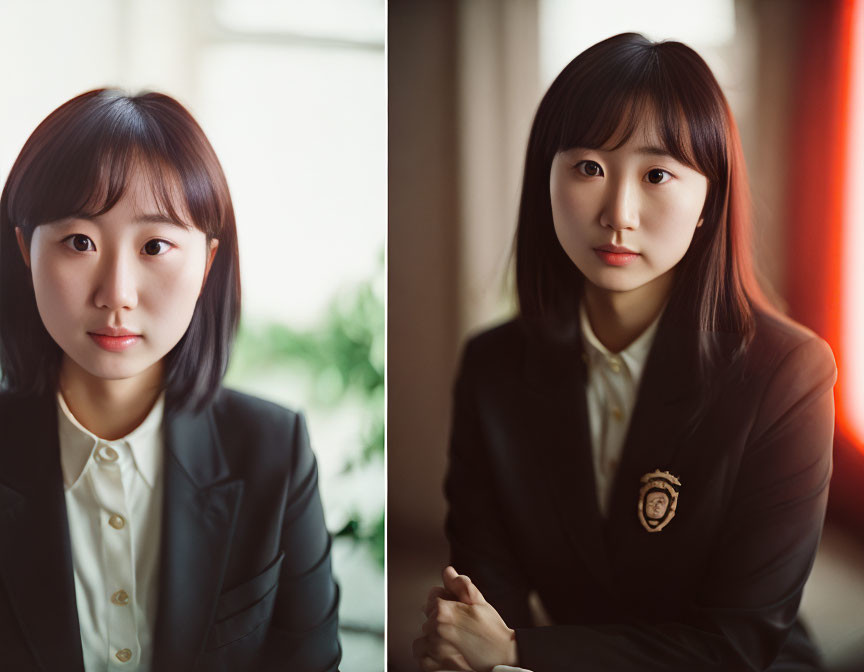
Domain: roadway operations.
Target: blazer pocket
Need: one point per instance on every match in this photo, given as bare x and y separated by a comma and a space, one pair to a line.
246, 607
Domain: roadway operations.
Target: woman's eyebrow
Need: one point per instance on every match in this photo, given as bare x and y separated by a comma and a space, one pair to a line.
646, 150
158, 218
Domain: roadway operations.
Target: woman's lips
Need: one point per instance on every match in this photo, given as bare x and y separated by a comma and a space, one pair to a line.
614, 255
114, 343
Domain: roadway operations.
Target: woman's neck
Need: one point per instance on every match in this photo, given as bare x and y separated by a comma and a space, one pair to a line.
619, 318
110, 409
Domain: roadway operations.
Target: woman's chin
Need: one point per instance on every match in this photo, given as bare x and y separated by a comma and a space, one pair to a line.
616, 282
108, 366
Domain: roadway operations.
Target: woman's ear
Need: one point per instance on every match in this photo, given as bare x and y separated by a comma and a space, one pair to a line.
22, 245
211, 255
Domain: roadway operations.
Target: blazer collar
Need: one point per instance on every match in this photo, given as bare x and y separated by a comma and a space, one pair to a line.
199, 514
199, 510
555, 374
36, 558
662, 418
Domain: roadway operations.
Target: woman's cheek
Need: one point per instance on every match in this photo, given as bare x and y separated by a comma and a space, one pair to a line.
59, 285
176, 284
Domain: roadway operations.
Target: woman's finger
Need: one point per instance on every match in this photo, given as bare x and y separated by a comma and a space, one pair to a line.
472, 592
432, 599
456, 661
435, 603
442, 656
462, 587
428, 664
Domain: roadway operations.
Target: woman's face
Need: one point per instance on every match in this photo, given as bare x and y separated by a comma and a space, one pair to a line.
117, 292
625, 217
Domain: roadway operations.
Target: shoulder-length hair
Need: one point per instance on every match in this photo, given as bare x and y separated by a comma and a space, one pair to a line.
607, 91
77, 163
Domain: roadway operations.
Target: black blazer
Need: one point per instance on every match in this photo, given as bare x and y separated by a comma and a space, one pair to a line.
718, 587
244, 579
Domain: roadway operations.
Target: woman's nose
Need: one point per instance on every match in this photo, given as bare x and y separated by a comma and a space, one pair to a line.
621, 206
116, 285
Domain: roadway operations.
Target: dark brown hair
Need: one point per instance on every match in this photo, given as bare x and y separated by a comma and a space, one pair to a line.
604, 92
77, 163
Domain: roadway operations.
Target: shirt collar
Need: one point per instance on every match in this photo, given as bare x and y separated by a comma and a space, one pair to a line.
633, 357
77, 443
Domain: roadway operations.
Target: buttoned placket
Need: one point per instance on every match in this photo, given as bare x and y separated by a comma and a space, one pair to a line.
612, 388
608, 393
614, 376
111, 481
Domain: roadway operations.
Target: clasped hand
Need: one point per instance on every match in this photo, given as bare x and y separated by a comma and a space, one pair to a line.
462, 630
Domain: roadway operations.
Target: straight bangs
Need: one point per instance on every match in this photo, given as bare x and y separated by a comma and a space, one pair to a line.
94, 156
605, 101
597, 102
78, 163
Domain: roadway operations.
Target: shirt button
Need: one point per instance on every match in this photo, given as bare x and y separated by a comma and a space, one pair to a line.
617, 413
117, 521
615, 365
107, 454
123, 655
121, 597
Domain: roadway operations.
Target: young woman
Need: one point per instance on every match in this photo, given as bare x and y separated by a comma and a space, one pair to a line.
149, 519
647, 447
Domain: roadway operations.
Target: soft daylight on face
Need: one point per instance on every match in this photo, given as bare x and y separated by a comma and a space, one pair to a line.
625, 217
116, 293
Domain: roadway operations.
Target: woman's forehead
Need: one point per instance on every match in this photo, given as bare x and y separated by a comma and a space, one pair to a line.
141, 192
642, 130
147, 193
645, 139
645, 134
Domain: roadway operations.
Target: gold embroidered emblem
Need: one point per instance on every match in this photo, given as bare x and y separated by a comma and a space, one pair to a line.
658, 499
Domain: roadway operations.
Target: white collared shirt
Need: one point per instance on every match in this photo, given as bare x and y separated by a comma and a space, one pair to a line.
611, 389
113, 503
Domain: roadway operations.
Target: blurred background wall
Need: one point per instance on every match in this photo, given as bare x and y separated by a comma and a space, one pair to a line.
292, 96
465, 78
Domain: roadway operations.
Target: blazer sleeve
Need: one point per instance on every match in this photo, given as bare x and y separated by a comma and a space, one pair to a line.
748, 599
303, 634
480, 545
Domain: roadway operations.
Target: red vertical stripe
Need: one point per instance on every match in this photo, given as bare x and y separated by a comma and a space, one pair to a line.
819, 142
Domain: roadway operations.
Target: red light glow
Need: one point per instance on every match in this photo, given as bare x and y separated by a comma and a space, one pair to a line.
850, 385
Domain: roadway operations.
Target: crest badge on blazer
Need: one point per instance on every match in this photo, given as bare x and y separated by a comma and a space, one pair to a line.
658, 499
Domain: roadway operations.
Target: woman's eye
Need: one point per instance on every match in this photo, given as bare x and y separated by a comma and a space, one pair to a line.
657, 176
590, 168
80, 243
156, 247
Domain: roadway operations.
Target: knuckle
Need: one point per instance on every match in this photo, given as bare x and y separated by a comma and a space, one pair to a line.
452, 662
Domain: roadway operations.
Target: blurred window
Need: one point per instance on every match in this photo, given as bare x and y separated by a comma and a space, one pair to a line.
568, 27
306, 162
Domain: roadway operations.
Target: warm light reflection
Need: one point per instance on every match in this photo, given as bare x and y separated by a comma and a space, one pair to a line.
851, 382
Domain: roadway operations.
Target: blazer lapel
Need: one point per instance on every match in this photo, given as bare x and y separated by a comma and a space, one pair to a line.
36, 557
556, 376
667, 397
199, 513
